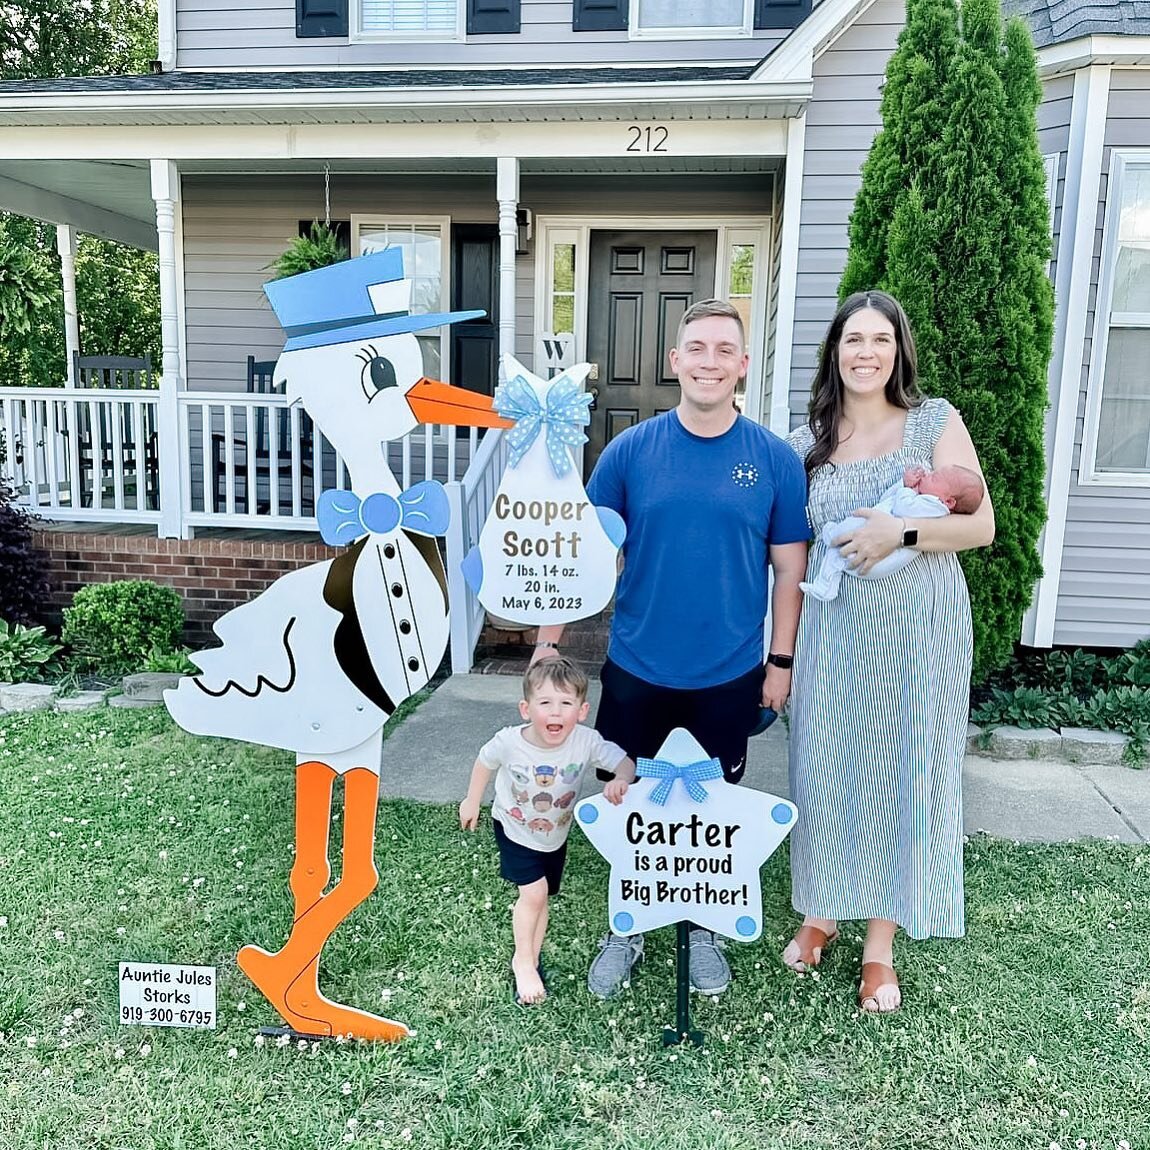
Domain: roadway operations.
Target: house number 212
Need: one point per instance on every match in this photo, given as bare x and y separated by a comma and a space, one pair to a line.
649, 139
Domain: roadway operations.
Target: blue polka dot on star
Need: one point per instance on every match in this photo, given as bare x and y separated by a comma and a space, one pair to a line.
745, 474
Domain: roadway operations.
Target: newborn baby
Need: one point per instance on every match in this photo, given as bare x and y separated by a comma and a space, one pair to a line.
922, 494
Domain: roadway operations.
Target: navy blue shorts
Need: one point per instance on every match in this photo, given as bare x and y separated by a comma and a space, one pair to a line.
639, 715
524, 865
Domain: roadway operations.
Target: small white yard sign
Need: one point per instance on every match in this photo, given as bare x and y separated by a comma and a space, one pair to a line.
167, 994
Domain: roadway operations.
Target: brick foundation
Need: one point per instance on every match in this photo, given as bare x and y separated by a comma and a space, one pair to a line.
211, 575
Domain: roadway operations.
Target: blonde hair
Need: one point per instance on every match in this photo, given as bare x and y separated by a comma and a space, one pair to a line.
560, 672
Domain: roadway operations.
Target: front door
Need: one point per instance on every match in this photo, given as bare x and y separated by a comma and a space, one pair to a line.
641, 282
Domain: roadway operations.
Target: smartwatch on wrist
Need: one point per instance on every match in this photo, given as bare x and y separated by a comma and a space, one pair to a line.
909, 536
783, 661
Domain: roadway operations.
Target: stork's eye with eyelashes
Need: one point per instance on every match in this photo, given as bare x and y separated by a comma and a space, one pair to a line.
378, 373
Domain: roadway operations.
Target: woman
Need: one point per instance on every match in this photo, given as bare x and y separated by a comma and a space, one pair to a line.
882, 673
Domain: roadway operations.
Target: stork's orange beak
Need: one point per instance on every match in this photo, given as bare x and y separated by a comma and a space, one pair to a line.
435, 402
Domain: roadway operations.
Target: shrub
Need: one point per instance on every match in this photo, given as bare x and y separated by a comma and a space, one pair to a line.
24, 588
171, 663
116, 627
27, 654
1131, 668
1125, 709
1027, 707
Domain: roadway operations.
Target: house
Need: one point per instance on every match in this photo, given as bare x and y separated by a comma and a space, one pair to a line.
586, 167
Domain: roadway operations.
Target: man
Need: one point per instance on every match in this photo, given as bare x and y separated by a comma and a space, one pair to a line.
710, 499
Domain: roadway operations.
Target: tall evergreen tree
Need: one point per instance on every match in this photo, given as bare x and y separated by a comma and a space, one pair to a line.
959, 232
913, 107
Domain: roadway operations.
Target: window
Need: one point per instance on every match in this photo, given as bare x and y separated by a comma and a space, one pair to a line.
1120, 384
1051, 164
741, 278
409, 19
563, 287
677, 18
424, 245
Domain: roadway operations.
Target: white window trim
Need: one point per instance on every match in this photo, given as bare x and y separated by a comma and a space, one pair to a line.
357, 35
367, 221
1089, 475
728, 33
577, 230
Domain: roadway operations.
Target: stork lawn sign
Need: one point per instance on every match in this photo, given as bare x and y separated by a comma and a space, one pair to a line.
320, 661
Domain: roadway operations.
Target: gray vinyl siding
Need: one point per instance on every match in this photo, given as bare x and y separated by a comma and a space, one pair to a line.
1053, 137
261, 34
1102, 595
235, 227
842, 119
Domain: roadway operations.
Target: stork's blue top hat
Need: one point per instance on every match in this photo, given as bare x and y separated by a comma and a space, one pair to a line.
355, 299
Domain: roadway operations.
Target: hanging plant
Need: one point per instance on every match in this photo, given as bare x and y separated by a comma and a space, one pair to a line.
320, 247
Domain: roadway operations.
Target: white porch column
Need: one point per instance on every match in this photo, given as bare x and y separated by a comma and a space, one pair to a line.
172, 452
779, 417
66, 246
507, 192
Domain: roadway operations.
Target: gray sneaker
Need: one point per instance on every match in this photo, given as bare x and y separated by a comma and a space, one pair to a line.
710, 973
612, 965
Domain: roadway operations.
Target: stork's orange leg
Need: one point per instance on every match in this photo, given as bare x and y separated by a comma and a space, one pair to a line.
289, 978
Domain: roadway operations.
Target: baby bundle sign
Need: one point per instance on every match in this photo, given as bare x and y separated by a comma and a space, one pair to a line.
685, 844
546, 555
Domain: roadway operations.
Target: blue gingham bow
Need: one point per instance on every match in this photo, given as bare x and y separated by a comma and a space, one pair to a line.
565, 412
343, 517
692, 776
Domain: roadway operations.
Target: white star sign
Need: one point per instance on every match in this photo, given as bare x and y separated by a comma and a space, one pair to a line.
685, 844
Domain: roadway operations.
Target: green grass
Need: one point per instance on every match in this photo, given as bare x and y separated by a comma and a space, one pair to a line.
134, 840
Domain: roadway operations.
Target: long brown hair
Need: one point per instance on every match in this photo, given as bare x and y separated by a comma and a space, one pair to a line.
826, 408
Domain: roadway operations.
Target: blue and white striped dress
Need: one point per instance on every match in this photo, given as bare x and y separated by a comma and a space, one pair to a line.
878, 718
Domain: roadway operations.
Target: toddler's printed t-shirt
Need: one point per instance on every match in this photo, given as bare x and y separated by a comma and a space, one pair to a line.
536, 787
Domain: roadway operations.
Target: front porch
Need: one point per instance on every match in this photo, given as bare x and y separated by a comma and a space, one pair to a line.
215, 447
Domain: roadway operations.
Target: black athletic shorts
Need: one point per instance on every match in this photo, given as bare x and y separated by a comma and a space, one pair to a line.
639, 716
523, 865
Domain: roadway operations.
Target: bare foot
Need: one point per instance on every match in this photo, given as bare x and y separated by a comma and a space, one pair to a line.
529, 988
800, 955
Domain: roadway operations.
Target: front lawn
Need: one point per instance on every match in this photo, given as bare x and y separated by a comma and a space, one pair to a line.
126, 838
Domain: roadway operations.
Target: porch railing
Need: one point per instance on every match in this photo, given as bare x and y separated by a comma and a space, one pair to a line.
76, 454
81, 454
471, 499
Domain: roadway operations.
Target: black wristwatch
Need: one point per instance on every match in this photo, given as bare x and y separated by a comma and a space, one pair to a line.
783, 661
909, 536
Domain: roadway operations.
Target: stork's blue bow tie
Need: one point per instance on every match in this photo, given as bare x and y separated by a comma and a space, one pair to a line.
564, 414
343, 517
691, 775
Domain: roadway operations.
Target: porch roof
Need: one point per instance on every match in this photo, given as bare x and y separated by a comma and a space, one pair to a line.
400, 96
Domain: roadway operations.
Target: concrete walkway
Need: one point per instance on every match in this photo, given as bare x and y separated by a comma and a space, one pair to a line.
430, 755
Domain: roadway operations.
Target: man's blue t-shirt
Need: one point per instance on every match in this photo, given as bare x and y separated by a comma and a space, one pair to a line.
701, 514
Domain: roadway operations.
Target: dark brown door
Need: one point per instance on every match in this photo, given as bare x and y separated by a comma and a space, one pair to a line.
641, 282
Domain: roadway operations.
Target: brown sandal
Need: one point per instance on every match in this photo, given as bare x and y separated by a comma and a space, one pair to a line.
876, 975
809, 939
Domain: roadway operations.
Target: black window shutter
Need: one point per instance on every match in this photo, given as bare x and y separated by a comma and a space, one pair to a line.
781, 13
320, 18
485, 17
600, 16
